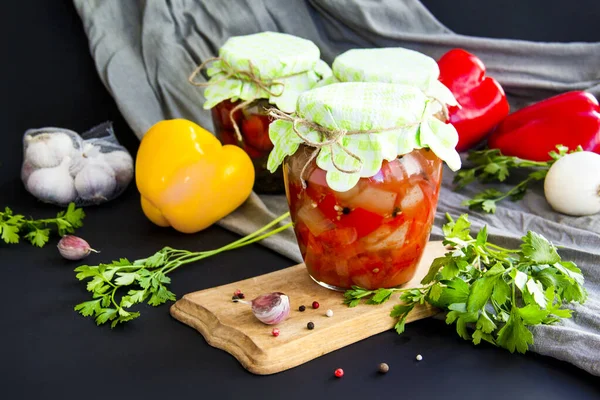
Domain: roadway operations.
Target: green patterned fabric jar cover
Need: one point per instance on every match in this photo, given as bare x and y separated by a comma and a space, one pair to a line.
354, 126
266, 65
392, 65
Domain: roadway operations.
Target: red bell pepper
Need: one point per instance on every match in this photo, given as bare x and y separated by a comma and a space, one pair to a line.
571, 119
481, 97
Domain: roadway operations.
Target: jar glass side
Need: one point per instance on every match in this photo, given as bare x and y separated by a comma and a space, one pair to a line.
253, 124
372, 235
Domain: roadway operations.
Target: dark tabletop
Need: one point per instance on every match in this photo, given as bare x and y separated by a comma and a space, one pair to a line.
48, 78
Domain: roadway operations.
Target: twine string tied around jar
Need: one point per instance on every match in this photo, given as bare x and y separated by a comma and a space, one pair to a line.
247, 75
330, 137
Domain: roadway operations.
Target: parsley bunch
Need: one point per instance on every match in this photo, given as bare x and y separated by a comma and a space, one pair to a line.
491, 166
121, 284
13, 226
491, 293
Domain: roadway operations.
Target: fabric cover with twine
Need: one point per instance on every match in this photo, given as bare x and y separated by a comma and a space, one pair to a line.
286, 64
398, 118
393, 65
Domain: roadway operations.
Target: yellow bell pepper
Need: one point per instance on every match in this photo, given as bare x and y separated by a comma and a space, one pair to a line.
187, 179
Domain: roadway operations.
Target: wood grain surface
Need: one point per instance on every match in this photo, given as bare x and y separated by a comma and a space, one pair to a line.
232, 326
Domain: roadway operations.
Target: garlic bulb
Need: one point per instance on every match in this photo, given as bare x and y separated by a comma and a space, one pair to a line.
96, 181
82, 157
122, 164
53, 185
47, 150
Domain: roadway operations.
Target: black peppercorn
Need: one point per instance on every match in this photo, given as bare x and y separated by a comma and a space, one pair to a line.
310, 325
346, 210
396, 211
241, 296
301, 308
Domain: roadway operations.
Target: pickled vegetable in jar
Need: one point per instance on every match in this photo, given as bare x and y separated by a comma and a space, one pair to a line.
253, 73
363, 168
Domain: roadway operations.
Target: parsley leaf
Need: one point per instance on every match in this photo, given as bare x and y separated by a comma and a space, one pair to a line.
36, 231
121, 285
490, 165
490, 293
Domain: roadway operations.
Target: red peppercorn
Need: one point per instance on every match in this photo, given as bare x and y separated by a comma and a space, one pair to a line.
237, 293
315, 305
339, 373
275, 332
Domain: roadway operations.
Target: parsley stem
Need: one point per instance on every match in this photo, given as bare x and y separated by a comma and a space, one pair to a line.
191, 257
503, 249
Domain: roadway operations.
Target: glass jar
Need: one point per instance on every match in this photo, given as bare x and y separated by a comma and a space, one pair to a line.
253, 123
372, 235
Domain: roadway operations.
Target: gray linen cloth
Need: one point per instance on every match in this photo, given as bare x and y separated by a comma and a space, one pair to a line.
145, 50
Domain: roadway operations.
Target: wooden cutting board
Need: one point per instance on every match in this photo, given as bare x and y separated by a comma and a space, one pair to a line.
232, 326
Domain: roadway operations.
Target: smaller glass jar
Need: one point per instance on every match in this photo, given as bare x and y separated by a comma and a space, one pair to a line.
252, 74
253, 124
373, 235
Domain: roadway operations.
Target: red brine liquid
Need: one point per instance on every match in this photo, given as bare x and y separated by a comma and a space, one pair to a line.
253, 123
373, 235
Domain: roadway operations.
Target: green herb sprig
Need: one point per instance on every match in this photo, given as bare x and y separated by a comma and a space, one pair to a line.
491, 166
118, 286
489, 292
13, 226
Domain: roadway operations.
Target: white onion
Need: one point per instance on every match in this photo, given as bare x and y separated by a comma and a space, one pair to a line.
572, 185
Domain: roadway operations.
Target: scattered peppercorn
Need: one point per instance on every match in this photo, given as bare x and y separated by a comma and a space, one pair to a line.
329, 313
346, 210
301, 308
315, 305
275, 332
384, 368
241, 296
396, 211
237, 293
419, 357
339, 373
310, 325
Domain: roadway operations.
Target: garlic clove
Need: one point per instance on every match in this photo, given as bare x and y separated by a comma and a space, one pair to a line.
74, 248
53, 185
95, 182
271, 308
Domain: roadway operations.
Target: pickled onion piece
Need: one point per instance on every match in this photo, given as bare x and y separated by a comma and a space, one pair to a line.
386, 237
411, 165
375, 200
412, 198
315, 220
347, 195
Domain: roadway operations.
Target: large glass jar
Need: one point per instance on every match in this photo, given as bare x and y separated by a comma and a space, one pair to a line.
372, 235
253, 124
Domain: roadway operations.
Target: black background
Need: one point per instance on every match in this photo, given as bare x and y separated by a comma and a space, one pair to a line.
48, 79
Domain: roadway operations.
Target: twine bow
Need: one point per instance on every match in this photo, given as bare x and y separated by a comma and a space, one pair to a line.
330, 138
246, 75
